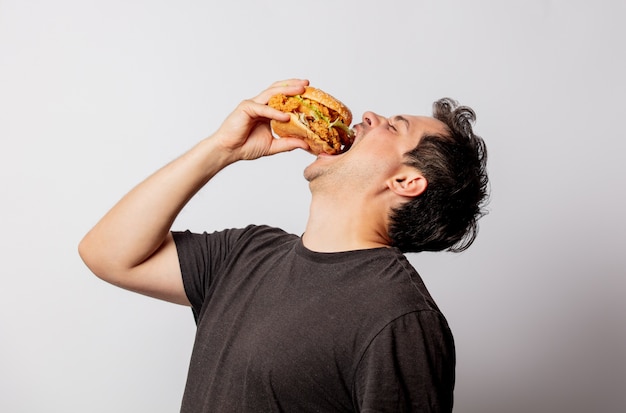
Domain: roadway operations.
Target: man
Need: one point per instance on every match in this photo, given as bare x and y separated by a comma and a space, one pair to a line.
336, 320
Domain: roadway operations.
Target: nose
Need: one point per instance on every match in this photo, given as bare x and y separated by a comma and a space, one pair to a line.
372, 119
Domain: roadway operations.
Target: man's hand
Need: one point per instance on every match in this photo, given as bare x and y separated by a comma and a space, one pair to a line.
246, 132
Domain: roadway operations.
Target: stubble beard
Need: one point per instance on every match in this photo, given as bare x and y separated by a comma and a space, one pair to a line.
314, 171
318, 176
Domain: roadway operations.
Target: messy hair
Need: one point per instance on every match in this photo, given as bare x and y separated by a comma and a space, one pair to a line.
445, 216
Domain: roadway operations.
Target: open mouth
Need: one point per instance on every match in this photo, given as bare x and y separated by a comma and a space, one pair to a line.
346, 146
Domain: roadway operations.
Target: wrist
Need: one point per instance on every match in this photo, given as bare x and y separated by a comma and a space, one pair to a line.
210, 156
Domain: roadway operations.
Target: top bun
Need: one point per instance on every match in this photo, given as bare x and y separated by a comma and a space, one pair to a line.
327, 100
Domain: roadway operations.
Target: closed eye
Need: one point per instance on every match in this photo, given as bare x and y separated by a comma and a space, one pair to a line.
404, 121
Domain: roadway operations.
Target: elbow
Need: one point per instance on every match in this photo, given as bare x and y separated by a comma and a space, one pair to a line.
102, 260
91, 255
85, 252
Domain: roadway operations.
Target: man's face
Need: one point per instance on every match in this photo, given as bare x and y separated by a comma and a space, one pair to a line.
377, 153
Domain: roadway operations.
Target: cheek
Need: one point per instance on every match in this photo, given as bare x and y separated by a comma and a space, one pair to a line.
376, 165
382, 154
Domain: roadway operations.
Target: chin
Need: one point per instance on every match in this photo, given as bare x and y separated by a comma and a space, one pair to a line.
311, 171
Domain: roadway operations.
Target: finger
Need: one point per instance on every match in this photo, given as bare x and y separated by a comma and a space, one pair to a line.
257, 110
288, 82
289, 87
287, 144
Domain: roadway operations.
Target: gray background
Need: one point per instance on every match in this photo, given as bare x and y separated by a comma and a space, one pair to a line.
95, 95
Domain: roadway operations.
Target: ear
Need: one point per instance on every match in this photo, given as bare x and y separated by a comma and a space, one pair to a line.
408, 183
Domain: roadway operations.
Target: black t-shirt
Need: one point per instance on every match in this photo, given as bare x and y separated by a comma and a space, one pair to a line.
285, 329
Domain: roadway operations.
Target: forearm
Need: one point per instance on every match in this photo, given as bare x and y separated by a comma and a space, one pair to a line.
139, 223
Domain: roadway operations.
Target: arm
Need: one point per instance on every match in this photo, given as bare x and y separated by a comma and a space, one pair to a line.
131, 246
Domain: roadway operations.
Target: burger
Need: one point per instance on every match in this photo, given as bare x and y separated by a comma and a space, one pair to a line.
316, 117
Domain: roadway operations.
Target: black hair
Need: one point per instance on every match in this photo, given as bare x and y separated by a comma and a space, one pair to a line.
445, 216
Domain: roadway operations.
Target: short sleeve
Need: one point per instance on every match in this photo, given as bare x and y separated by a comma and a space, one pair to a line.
200, 256
408, 367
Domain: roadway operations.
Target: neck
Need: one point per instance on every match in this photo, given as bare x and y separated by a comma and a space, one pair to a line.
344, 223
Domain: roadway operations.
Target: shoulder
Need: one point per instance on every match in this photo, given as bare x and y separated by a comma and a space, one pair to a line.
231, 236
260, 239
398, 283
263, 232
421, 330
409, 364
417, 327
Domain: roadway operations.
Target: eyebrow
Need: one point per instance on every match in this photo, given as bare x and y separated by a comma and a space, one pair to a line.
404, 120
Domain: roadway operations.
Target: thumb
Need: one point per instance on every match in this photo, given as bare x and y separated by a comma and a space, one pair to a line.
287, 144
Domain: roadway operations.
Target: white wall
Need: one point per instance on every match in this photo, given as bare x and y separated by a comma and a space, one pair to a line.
95, 95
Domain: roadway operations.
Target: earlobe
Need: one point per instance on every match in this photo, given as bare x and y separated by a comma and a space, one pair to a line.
408, 185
